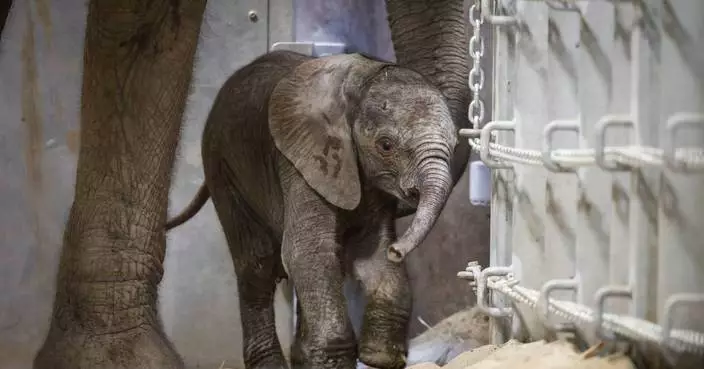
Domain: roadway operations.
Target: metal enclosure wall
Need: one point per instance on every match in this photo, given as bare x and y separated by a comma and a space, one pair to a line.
623, 223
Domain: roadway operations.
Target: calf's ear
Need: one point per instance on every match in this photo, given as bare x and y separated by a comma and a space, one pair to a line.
308, 120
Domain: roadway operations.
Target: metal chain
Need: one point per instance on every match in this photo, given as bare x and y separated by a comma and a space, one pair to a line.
476, 74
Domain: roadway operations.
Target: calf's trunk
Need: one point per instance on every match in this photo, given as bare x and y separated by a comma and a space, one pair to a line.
435, 186
138, 60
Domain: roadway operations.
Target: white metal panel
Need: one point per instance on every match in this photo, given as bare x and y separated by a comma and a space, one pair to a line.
636, 68
645, 91
620, 196
681, 195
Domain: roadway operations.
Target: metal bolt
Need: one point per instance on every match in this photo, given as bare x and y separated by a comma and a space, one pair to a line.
253, 16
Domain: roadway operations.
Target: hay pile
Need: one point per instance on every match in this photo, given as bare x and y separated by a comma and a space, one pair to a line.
461, 341
464, 330
535, 355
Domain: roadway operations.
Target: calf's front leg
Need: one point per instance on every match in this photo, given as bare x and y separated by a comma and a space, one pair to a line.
383, 340
312, 257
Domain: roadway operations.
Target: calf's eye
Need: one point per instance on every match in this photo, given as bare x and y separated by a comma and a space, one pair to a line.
385, 145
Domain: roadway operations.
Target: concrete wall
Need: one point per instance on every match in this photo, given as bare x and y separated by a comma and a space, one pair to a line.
40, 76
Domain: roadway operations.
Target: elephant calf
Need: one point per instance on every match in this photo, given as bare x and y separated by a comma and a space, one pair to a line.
307, 160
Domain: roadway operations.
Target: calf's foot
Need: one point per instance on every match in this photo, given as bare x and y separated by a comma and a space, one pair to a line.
382, 343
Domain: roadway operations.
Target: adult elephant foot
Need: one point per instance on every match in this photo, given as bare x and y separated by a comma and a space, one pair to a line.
140, 348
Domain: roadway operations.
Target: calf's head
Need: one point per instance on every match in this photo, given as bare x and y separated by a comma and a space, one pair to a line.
344, 118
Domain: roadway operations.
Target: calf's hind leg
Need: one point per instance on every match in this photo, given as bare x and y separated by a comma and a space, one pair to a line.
257, 262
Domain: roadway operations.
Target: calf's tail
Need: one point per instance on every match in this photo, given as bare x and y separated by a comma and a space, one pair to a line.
192, 209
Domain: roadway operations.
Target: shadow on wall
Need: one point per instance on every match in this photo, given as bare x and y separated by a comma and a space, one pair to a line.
462, 232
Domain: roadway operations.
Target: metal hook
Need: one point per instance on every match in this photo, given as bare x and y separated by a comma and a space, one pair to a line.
471, 273
674, 124
544, 299
600, 297
600, 139
671, 304
470, 132
485, 140
550, 128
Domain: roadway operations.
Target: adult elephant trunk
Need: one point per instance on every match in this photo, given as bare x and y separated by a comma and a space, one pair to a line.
431, 37
435, 185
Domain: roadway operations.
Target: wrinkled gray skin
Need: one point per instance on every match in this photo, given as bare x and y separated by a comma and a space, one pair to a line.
307, 187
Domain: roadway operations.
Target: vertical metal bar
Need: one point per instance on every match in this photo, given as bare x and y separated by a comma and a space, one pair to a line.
677, 28
530, 115
643, 225
619, 241
594, 70
502, 180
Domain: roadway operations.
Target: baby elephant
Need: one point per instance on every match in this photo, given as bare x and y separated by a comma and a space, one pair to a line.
307, 160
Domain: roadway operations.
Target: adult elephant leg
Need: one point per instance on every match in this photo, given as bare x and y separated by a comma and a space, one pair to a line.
383, 339
430, 36
257, 260
137, 68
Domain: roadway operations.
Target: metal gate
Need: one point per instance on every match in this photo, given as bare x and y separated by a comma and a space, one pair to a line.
596, 162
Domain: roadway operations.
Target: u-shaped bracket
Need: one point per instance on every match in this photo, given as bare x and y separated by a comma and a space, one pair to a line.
671, 304
674, 124
485, 140
480, 277
605, 122
563, 6
600, 297
482, 292
548, 131
544, 299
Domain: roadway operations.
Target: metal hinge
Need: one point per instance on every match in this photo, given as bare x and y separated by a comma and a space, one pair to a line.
316, 49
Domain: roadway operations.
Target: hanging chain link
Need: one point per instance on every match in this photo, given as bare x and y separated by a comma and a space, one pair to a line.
476, 74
